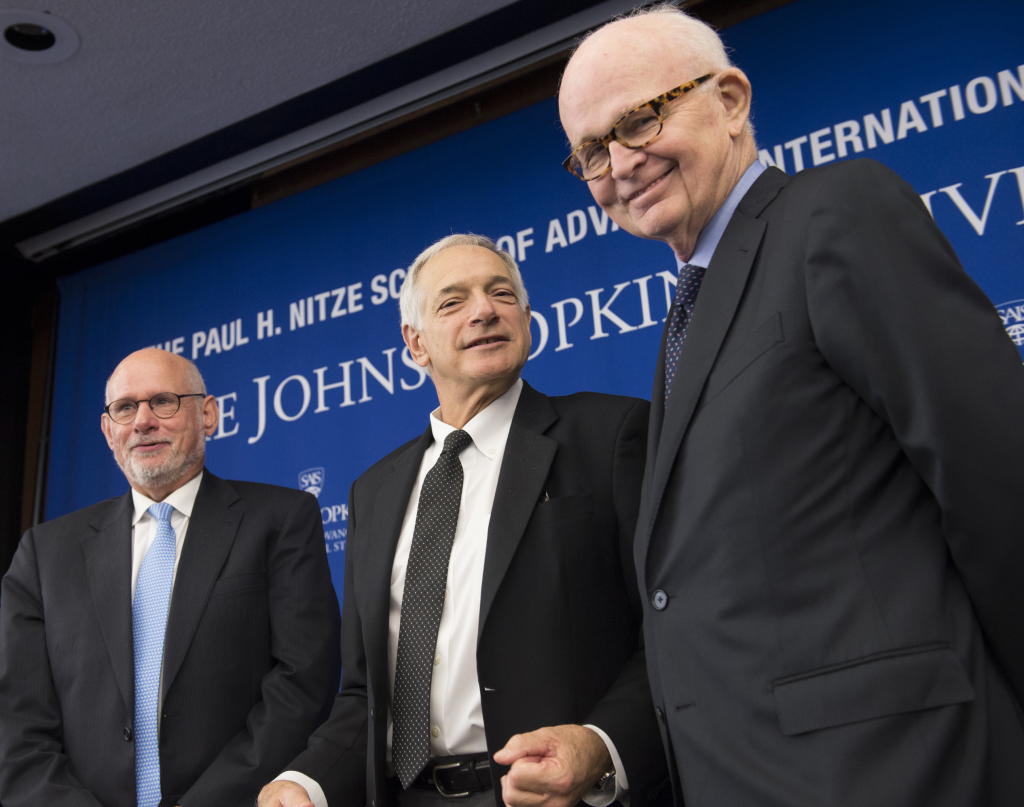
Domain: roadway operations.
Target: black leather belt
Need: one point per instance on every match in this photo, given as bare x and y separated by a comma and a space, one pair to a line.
455, 777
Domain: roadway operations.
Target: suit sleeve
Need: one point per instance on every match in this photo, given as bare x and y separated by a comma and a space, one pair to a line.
899, 320
297, 690
33, 767
626, 712
336, 756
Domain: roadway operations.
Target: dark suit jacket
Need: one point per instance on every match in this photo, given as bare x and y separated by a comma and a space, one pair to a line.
251, 658
559, 612
833, 505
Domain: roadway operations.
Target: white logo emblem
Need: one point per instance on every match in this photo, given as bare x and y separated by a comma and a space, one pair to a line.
312, 480
1012, 315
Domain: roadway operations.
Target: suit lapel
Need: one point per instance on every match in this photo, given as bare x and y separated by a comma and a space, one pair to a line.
657, 402
717, 303
388, 515
216, 515
108, 565
524, 467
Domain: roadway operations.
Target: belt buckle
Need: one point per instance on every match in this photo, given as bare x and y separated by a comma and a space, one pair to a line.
447, 793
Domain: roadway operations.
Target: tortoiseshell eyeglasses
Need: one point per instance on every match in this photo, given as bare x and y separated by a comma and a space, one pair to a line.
637, 128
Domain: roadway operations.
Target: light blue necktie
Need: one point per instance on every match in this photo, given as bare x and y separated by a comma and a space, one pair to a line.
149, 621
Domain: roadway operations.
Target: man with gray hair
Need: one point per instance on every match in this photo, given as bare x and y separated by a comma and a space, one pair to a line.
491, 616
829, 543
175, 645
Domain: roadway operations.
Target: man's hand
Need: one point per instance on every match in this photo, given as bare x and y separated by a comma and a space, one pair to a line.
552, 767
284, 794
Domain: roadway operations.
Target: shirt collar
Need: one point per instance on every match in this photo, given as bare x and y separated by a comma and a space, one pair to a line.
183, 499
707, 241
489, 428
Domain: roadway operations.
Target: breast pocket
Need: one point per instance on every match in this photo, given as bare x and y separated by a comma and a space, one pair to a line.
562, 508
238, 584
884, 684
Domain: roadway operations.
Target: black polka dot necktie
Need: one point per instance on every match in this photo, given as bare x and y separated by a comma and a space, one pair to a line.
426, 575
687, 286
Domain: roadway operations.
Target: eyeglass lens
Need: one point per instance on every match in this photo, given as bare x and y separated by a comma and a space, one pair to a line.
163, 405
635, 130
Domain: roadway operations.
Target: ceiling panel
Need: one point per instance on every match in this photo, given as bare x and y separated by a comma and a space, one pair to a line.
151, 77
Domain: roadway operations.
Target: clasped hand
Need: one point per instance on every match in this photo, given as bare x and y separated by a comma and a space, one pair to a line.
283, 793
552, 767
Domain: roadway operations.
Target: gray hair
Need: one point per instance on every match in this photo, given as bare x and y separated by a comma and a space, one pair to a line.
411, 300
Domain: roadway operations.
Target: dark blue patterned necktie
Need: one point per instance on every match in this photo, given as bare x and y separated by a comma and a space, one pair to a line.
687, 286
426, 575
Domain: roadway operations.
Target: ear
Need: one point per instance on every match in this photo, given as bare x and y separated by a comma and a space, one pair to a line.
416, 345
735, 93
105, 427
211, 415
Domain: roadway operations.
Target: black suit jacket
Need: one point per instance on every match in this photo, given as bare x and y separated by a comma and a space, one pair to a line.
833, 505
559, 612
251, 658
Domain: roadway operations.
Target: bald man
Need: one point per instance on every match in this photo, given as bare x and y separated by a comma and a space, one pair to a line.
172, 646
829, 540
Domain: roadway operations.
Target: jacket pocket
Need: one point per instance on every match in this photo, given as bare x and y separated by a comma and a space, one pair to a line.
247, 581
767, 335
883, 684
561, 508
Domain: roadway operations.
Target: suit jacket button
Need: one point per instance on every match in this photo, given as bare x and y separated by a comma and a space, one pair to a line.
127, 734
659, 600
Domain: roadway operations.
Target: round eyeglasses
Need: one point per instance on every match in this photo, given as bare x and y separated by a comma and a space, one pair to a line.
164, 405
637, 128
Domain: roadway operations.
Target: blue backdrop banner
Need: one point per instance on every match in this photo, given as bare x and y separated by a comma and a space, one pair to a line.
290, 311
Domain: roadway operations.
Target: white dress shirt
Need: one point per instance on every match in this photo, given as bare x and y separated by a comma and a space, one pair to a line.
144, 525
456, 713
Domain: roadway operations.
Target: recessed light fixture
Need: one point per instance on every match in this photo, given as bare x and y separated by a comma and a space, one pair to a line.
35, 37
29, 36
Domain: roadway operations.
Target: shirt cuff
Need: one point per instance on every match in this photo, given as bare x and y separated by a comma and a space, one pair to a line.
313, 790
599, 798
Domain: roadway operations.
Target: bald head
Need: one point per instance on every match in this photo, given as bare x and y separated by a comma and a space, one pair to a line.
184, 373
670, 188
650, 43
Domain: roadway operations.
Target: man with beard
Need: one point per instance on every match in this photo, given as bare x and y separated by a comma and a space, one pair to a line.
175, 645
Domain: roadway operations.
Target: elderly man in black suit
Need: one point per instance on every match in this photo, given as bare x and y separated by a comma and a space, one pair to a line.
829, 542
491, 621
175, 645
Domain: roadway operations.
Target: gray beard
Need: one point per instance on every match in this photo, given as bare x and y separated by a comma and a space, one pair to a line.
174, 466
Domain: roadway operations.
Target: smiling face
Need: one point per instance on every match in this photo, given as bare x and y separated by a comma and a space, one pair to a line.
158, 455
474, 335
670, 189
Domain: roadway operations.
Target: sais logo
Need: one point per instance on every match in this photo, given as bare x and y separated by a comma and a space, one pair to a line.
1012, 315
312, 480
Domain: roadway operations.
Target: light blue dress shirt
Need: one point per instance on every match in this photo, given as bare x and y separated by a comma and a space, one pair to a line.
707, 241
